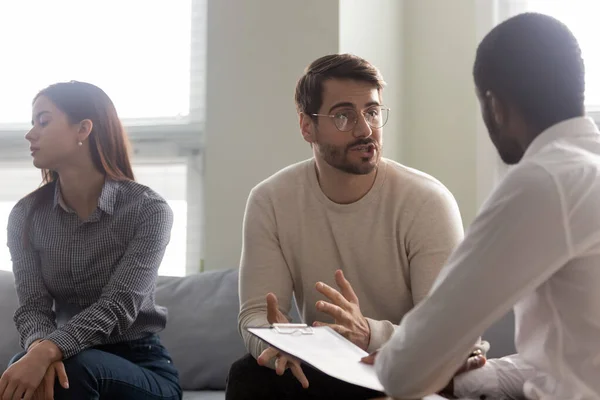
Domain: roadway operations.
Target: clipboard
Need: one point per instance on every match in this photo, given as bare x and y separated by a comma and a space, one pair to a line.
324, 349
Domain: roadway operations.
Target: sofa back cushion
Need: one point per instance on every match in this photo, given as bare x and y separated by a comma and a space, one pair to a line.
201, 333
501, 336
9, 338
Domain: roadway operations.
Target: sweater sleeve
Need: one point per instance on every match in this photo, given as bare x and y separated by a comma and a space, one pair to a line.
432, 235
263, 270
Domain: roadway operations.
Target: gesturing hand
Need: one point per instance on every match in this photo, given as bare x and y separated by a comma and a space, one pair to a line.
282, 361
345, 310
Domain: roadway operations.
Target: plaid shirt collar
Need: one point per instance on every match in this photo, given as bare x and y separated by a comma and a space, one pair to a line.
106, 202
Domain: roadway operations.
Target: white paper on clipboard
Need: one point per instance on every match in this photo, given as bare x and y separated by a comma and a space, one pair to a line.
325, 350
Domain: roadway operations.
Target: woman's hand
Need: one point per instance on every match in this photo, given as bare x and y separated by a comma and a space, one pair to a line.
46, 389
21, 379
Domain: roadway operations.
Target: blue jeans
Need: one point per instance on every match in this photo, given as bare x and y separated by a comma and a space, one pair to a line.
137, 369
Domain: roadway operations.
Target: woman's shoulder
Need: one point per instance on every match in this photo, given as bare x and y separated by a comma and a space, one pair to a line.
23, 209
136, 191
132, 193
139, 205
36, 199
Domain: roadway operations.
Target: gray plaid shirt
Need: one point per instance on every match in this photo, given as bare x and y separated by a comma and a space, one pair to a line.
100, 274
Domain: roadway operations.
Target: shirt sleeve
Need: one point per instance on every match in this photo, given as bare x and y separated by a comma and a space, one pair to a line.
432, 236
263, 269
132, 283
34, 318
518, 240
501, 378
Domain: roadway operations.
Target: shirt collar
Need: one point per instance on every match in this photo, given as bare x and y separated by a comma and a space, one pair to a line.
108, 198
106, 202
570, 128
58, 200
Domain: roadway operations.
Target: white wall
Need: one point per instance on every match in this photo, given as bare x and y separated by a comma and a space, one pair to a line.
381, 43
443, 133
490, 169
256, 52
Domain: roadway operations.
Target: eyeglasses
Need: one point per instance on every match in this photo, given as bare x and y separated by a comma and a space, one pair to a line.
346, 120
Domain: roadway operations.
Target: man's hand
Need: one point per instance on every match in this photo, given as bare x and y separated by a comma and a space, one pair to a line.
345, 310
282, 361
370, 359
46, 389
475, 360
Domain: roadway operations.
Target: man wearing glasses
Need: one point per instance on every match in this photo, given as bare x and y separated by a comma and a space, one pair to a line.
344, 226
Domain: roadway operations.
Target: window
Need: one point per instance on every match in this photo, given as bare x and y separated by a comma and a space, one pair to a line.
149, 58
138, 51
170, 181
17, 180
167, 179
581, 17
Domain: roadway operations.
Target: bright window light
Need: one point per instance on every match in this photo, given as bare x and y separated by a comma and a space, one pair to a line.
581, 16
138, 51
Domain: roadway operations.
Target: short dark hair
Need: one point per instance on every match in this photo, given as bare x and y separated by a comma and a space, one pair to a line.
309, 89
533, 62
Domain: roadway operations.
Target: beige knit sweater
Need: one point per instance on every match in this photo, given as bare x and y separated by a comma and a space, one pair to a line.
391, 245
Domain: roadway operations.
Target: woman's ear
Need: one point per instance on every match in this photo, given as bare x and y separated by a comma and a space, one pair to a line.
85, 128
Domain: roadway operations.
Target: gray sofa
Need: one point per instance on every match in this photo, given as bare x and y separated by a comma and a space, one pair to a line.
202, 332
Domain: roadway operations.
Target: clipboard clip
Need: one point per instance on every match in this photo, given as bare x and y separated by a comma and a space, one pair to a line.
293, 329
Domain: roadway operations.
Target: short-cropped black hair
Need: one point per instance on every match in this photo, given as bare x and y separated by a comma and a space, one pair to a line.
533, 62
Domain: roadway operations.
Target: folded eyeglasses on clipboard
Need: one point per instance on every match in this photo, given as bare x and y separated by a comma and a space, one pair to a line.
293, 329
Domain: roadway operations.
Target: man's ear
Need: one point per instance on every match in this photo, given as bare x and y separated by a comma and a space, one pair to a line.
307, 128
497, 109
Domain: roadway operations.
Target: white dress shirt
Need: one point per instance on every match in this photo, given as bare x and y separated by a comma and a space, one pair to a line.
535, 245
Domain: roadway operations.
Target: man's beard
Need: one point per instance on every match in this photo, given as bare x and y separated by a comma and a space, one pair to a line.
508, 149
337, 157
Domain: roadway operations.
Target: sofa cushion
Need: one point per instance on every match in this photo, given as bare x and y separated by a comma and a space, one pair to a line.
204, 395
501, 336
201, 333
9, 338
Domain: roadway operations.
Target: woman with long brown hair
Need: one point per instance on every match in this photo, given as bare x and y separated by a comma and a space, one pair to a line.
89, 241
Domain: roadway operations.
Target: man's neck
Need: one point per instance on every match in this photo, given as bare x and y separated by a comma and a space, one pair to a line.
81, 188
342, 187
